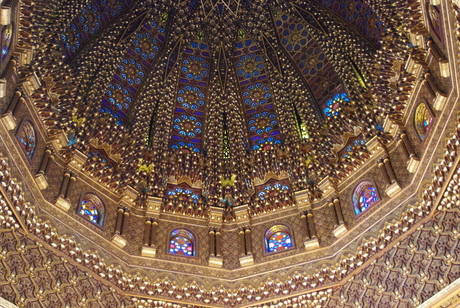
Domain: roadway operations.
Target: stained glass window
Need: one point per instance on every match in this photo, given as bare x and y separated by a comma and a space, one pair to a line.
7, 37
182, 243
92, 208
331, 106
261, 116
27, 138
278, 239
423, 120
364, 196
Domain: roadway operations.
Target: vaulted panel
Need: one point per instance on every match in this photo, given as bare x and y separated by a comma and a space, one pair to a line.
306, 54
191, 98
261, 115
132, 70
92, 18
358, 14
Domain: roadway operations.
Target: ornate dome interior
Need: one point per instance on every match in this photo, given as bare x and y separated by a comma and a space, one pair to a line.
227, 153
220, 95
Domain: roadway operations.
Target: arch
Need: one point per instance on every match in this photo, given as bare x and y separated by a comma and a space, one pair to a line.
278, 238
423, 120
27, 138
364, 196
92, 209
182, 243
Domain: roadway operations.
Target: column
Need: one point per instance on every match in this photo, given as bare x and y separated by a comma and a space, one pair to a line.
218, 243
125, 222
406, 153
383, 170
407, 145
44, 163
303, 217
64, 185
70, 185
148, 225
242, 242
333, 213
153, 233
119, 220
338, 210
212, 241
390, 171
248, 241
311, 224
14, 103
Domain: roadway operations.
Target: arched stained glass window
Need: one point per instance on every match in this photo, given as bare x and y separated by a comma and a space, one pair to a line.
277, 239
182, 243
7, 37
423, 120
364, 196
92, 208
27, 138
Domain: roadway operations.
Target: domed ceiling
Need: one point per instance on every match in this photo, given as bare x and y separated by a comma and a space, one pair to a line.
219, 103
